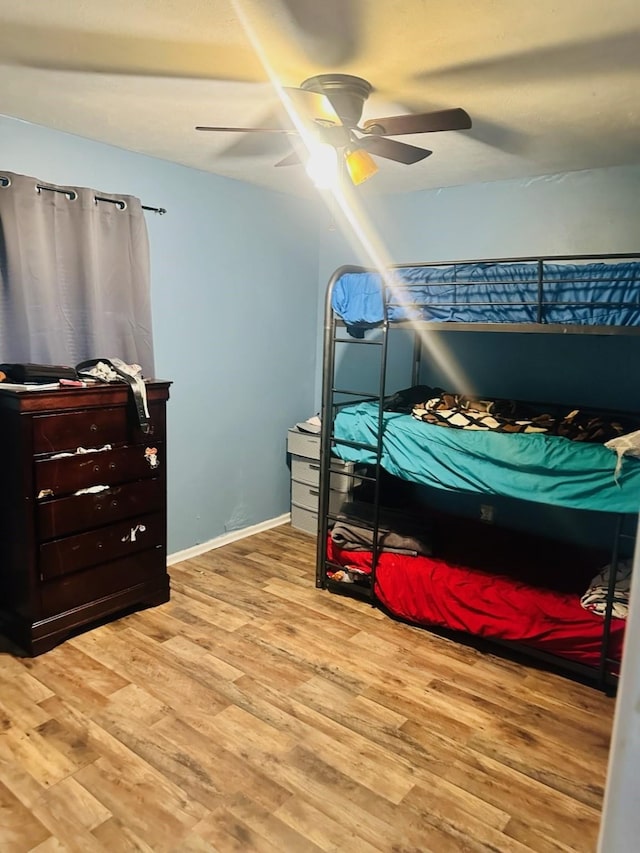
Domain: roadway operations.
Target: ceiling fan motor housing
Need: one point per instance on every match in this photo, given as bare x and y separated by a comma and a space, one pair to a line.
346, 93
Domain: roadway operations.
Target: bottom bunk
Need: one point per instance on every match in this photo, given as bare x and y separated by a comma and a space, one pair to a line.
496, 584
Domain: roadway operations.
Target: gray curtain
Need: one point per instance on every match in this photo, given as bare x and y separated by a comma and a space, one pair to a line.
74, 275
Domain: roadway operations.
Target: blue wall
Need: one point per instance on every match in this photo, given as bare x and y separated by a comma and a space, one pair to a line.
234, 292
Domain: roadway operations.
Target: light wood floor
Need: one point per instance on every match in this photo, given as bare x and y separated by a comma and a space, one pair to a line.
256, 713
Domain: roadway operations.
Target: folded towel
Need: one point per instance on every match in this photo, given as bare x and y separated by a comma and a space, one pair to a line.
312, 425
397, 534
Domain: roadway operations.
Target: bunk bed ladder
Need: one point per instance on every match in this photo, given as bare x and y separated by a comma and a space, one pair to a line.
330, 406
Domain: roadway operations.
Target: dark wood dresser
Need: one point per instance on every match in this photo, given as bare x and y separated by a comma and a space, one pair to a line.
69, 558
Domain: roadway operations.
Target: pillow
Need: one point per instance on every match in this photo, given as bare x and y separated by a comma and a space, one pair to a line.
624, 445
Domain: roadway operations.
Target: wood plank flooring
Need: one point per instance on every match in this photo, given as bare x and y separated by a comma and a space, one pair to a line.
256, 713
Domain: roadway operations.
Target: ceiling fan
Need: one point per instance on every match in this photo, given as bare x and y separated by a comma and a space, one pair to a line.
331, 106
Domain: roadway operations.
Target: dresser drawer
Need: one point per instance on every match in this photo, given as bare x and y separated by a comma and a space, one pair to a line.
93, 427
63, 556
106, 467
63, 516
86, 428
81, 588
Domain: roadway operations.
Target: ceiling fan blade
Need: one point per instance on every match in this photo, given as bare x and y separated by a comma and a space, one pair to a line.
67, 49
310, 108
247, 129
325, 31
507, 139
612, 53
491, 133
393, 149
453, 119
290, 160
267, 146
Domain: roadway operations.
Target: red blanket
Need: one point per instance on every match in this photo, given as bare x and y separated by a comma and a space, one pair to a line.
434, 591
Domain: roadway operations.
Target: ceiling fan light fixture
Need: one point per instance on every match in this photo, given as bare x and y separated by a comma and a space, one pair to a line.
360, 165
322, 165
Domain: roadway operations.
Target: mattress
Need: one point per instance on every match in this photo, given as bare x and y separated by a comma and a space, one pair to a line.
593, 294
514, 607
534, 467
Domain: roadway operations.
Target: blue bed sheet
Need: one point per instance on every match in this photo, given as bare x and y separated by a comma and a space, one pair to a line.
533, 467
594, 294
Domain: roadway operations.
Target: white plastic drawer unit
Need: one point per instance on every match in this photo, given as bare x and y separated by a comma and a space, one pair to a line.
304, 519
305, 480
308, 471
303, 444
306, 496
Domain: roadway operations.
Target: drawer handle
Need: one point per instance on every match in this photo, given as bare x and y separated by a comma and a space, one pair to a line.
114, 504
98, 506
314, 492
96, 468
99, 545
314, 467
112, 466
94, 427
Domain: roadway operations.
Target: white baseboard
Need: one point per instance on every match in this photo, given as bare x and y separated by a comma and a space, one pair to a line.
226, 538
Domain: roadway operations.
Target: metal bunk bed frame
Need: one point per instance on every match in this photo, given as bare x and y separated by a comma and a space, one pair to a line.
601, 674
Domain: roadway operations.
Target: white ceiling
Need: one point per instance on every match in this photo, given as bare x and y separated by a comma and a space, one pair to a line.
551, 85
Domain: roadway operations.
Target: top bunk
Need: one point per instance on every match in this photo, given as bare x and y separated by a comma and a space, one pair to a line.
569, 294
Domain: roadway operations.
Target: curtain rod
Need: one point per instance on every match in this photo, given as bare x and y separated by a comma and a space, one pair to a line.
160, 210
72, 195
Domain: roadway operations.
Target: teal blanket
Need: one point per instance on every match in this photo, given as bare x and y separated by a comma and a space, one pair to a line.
542, 468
